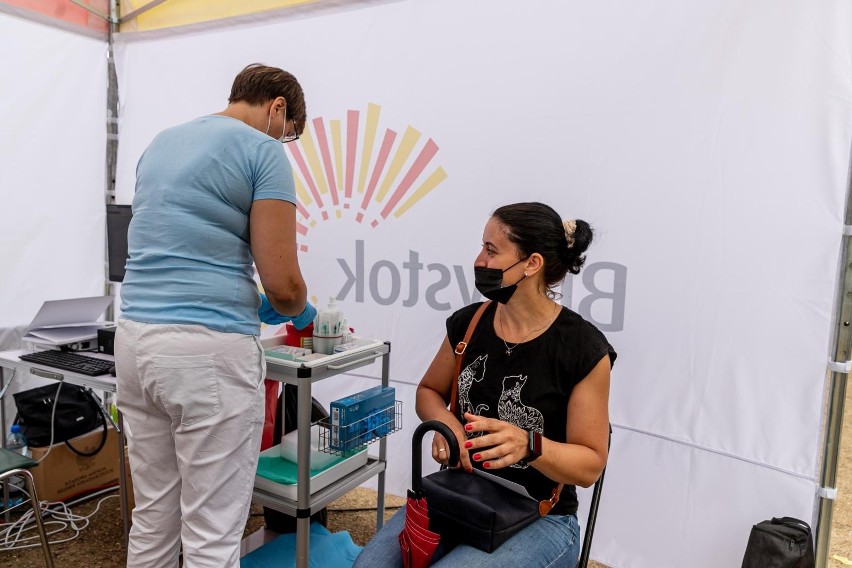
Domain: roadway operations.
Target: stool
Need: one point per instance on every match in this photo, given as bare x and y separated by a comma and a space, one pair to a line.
12, 463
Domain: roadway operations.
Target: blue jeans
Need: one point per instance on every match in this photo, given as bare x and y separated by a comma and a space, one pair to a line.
550, 542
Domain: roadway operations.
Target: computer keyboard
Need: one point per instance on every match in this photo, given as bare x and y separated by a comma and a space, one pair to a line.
69, 362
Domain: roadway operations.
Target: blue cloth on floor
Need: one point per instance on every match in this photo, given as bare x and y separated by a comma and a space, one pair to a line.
327, 550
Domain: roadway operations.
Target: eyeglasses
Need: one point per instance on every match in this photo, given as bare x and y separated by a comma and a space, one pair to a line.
285, 138
290, 137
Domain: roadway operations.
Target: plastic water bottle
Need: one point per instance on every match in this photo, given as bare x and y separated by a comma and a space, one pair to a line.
17, 442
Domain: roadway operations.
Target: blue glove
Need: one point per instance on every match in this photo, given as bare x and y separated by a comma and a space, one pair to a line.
268, 314
304, 319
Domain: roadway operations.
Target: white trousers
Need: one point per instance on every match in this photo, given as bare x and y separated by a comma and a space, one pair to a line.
193, 413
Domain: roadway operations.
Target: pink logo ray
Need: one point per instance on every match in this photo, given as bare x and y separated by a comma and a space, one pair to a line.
351, 147
381, 160
426, 154
303, 167
322, 140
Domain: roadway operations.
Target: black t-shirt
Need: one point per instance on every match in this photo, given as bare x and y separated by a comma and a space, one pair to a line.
529, 388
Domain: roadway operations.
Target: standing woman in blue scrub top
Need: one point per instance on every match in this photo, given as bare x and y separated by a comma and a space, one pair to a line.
213, 197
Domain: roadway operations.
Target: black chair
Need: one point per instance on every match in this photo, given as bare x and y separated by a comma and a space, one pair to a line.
593, 514
14, 464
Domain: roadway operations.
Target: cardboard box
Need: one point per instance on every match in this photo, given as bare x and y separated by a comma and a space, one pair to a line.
64, 475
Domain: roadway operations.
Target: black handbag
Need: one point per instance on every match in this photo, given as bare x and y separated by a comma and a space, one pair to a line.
780, 543
469, 508
76, 413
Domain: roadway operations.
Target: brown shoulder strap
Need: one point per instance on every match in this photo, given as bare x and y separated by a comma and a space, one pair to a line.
459, 351
545, 505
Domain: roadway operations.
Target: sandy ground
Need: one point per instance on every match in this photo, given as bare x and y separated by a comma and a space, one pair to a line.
100, 544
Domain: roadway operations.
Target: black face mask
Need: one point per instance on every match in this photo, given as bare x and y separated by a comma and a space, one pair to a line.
489, 282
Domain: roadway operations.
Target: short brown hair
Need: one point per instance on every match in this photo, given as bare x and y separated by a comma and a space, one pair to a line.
258, 83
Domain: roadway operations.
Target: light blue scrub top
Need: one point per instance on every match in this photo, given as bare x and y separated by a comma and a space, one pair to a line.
190, 257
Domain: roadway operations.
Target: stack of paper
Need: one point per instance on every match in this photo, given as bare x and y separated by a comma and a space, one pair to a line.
60, 322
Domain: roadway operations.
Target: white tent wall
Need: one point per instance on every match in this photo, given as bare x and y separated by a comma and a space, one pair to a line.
52, 145
52, 178
707, 142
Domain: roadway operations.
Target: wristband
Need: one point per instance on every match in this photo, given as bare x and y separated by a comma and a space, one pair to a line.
533, 446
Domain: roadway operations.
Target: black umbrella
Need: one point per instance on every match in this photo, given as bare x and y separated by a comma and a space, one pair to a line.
417, 542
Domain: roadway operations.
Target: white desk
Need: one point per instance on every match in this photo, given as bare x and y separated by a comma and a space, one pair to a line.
10, 363
303, 375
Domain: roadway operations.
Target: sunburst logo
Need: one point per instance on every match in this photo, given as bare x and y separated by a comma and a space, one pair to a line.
353, 170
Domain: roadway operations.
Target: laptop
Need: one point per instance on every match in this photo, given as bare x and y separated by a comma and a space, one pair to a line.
60, 322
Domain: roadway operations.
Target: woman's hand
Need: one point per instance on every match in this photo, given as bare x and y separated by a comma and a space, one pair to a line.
441, 450
500, 445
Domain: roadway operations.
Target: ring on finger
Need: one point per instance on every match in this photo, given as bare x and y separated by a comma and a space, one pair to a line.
441, 450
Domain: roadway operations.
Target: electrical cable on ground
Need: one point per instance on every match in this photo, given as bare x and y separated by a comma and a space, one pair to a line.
53, 513
52, 420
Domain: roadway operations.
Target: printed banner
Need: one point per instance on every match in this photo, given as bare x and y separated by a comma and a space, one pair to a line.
707, 146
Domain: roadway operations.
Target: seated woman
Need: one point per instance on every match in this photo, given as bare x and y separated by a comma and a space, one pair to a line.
531, 365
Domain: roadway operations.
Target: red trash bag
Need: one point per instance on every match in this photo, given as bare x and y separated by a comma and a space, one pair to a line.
271, 406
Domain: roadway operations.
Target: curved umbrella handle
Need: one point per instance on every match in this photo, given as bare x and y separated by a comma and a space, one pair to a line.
416, 453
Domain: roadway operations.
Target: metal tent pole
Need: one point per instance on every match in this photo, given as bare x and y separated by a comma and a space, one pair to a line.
112, 105
111, 141
113, 21
112, 18
839, 368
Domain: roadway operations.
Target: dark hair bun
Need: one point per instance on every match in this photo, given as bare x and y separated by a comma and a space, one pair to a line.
537, 228
578, 236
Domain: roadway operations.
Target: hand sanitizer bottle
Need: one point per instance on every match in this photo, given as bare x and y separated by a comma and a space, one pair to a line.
327, 328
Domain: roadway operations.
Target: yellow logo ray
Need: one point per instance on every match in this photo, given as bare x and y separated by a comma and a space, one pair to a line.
306, 141
337, 146
431, 182
370, 128
301, 191
409, 139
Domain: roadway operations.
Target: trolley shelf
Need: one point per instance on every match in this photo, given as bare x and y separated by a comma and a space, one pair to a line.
303, 375
324, 496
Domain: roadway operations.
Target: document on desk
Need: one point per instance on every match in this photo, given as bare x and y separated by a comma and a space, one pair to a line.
59, 322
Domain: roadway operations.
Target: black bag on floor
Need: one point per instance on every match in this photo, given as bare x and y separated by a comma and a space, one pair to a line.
76, 413
780, 543
286, 418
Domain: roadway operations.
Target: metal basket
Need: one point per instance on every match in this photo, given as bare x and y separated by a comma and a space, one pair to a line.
348, 439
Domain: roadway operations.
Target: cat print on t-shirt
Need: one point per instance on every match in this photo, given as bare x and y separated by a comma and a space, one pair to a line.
474, 372
511, 408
